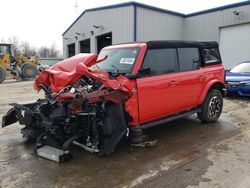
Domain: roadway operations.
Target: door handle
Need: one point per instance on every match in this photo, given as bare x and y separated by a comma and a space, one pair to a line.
201, 77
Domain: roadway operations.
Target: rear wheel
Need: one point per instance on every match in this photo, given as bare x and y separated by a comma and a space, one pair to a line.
29, 71
212, 107
2, 74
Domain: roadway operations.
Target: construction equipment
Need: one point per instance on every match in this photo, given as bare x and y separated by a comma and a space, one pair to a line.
20, 67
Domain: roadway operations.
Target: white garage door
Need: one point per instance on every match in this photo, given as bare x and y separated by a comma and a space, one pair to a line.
235, 44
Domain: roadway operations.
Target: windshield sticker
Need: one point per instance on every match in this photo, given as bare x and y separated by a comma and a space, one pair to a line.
128, 61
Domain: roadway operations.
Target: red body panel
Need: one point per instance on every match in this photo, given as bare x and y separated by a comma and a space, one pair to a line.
165, 95
213, 74
70, 70
63, 73
150, 98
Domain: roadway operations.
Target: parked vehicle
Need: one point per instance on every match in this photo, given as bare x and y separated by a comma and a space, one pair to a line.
95, 100
238, 80
48, 62
19, 68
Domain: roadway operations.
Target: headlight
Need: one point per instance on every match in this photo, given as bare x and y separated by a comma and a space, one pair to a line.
234, 84
247, 83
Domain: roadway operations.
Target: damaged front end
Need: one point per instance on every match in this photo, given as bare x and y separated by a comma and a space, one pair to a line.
81, 106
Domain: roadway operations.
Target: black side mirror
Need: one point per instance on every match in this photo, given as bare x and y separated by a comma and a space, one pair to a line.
145, 71
131, 76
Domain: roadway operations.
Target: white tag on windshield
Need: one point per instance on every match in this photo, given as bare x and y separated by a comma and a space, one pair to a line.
128, 61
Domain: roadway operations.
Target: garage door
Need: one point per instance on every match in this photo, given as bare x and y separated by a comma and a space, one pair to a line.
235, 44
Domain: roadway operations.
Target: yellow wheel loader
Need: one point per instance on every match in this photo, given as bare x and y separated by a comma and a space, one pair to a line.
20, 67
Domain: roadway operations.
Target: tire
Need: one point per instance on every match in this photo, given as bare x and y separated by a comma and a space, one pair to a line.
212, 107
2, 74
29, 71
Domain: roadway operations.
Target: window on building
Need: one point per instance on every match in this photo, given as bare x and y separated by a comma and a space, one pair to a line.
161, 61
189, 59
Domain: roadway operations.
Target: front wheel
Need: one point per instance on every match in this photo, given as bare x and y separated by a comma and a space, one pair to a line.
212, 107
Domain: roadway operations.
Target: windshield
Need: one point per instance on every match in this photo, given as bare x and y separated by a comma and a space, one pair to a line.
119, 60
241, 68
3, 49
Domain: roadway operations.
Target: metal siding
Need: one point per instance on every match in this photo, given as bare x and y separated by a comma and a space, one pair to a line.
119, 21
153, 25
205, 27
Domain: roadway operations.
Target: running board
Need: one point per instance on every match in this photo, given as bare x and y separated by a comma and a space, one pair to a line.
53, 154
170, 118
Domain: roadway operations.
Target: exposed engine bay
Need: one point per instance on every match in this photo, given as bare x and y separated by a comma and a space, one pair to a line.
81, 106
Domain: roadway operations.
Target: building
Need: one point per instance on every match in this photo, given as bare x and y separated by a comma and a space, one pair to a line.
127, 22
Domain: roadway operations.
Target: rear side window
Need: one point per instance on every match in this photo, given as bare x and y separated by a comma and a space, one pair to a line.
211, 56
161, 61
189, 59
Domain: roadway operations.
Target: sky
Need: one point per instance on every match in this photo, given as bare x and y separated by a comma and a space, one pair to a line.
42, 22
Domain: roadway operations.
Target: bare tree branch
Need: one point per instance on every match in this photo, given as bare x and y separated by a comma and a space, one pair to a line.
24, 48
15, 45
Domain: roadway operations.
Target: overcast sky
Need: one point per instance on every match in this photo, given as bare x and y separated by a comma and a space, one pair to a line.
42, 22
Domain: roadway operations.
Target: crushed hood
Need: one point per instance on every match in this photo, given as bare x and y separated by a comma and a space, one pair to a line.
68, 71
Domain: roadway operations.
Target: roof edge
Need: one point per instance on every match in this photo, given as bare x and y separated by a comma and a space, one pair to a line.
132, 3
234, 5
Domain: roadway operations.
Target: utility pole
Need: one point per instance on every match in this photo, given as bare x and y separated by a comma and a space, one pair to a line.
76, 7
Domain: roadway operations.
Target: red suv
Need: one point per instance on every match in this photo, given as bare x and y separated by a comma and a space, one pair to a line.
95, 100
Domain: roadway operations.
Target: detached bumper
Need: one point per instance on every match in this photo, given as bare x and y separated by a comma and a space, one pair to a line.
15, 114
10, 117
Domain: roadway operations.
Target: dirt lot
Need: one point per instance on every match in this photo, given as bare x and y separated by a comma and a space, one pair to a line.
188, 153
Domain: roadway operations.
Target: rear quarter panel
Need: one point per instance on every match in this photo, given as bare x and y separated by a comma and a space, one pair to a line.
214, 74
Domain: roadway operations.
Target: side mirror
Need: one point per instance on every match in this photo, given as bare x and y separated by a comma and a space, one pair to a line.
145, 71
131, 76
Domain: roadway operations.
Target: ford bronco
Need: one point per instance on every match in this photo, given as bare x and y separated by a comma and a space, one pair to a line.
95, 100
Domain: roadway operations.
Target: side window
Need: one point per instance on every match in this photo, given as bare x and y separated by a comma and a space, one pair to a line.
161, 61
211, 56
189, 59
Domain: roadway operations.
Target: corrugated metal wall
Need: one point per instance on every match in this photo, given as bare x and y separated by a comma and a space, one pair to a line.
119, 21
153, 25
206, 27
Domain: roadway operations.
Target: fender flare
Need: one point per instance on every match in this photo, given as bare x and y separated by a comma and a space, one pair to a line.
208, 87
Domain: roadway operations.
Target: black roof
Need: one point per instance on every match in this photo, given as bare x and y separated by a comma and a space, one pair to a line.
178, 44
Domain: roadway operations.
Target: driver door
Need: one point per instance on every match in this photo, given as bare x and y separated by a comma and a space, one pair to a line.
157, 92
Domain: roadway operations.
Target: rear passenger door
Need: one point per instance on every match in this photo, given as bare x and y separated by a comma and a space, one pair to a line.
157, 91
191, 79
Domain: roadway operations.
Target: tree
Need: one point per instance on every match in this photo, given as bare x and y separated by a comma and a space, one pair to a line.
24, 48
15, 45
43, 51
51, 51
27, 50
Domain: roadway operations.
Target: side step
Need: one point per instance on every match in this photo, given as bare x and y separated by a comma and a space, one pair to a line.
53, 154
170, 118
